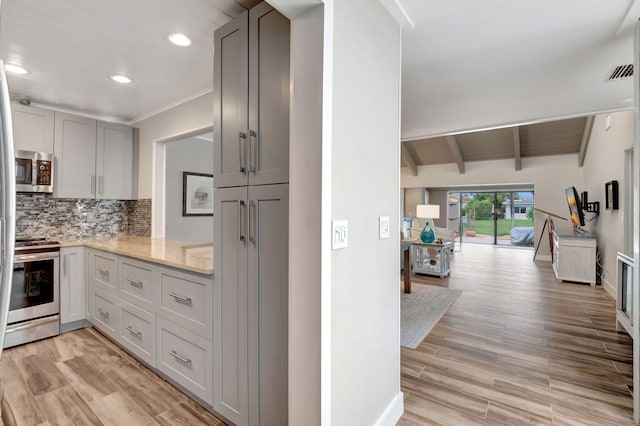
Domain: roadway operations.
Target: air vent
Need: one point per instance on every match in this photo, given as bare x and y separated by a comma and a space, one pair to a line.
619, 72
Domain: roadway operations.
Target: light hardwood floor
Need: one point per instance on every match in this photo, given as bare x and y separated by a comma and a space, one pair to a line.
81, 378
518, 347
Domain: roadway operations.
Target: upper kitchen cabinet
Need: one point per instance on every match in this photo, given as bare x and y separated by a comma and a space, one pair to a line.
75, 156
93, 159
114, 161
32, 128
251, 99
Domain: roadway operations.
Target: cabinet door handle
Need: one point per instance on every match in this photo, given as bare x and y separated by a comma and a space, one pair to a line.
253, 151
103, 271
180, 358
241, 213
134, 332
242, 147
135, 283
181, 298
93, 184
101, 185
103, 313
253, 221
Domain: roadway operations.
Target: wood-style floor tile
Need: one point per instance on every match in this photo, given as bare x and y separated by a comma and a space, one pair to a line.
536, 350
117, 409
41, 374
82, 378
185, 415
64, 406
148, 394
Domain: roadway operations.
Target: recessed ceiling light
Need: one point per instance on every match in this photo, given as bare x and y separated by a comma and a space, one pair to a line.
15, 69
179, 39
119, 78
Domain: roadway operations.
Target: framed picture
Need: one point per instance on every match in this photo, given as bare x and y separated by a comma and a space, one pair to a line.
197, 194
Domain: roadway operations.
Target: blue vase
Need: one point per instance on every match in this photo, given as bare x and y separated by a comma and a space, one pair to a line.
427, 235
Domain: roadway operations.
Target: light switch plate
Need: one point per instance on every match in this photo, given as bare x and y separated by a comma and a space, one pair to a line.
339, 234
383, 227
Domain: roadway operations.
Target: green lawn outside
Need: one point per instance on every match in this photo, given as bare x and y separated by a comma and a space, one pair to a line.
504, 226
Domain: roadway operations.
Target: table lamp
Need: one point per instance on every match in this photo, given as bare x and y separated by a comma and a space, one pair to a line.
428, 212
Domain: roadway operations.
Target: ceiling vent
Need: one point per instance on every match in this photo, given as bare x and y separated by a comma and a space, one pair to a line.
620, 72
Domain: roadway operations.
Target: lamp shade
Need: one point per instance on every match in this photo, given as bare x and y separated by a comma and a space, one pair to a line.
428, 211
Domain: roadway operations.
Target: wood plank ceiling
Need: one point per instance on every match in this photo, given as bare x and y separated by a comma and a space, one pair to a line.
532, 140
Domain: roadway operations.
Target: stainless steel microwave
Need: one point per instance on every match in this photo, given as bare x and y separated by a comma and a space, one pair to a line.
34, 171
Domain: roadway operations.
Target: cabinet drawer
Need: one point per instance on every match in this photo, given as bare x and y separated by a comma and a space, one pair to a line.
138, 332
187, 358
104, 312
103, 271
136, 283
184, 299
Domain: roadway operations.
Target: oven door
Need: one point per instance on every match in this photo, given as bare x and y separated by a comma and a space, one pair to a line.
34, 288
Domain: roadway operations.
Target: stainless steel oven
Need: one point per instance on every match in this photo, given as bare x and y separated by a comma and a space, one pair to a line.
35, 292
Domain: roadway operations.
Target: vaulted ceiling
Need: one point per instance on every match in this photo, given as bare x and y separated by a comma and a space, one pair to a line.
516, 142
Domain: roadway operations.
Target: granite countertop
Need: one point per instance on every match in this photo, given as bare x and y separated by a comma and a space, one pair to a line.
192, 257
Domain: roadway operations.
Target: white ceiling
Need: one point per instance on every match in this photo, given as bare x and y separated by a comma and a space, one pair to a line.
472, 64
466, 64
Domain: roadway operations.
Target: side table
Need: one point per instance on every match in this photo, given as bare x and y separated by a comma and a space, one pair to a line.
432, 258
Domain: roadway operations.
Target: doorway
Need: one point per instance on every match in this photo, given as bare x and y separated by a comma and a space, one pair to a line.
492, 217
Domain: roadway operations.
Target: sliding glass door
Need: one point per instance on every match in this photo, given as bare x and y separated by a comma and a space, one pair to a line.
500, 218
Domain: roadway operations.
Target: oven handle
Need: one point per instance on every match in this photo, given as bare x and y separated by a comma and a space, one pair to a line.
35, 256
31, 324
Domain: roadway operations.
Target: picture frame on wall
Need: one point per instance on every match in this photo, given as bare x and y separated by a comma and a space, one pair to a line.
197, 194
611, 195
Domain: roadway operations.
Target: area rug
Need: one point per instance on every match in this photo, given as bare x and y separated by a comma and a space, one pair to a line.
421, 310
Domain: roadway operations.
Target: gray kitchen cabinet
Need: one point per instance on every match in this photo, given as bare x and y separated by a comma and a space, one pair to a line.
114, 161
75, 156
32, 128
93, 159
251, 99
72, 285
251, 304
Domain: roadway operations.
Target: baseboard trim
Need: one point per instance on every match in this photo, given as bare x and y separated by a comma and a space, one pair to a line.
393, 412
609, 288
544, 257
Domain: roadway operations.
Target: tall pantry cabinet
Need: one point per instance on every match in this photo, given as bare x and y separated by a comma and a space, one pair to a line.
251, 204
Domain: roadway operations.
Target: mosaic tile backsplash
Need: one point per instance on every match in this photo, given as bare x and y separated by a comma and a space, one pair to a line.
41, 215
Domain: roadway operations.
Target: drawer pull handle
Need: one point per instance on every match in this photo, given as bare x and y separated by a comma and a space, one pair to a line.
135, 283
180, 298
103, 271
134, 332
103, 313
180, 358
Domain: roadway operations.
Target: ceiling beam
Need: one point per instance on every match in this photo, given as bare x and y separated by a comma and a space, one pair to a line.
408, 159
455, 150
584, 144
516, 148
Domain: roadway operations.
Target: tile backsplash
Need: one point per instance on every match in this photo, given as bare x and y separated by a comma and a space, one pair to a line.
41, 215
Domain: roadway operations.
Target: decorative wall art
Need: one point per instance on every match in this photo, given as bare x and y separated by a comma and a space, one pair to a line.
197, 194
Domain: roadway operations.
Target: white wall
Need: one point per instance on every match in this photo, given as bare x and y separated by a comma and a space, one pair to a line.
549, 176
604, 162
195, 114
365, 158
305, 219
186, 155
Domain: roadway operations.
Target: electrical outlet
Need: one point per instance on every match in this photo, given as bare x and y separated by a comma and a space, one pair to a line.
339, 234
91, 217
383, 227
